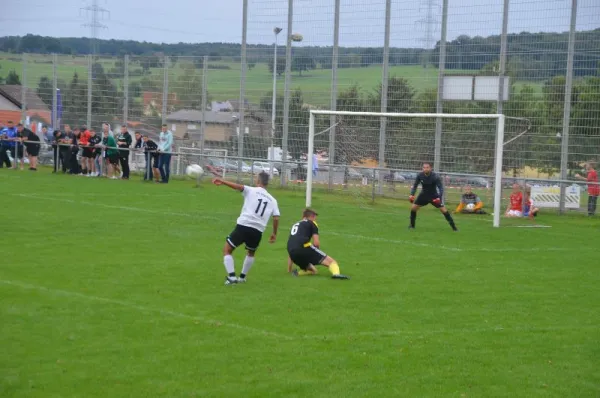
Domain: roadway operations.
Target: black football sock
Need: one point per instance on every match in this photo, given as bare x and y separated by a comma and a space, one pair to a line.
450, 219
413, 218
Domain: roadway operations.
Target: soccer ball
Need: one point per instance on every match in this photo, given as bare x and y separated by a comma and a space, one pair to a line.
194, 171
471, 206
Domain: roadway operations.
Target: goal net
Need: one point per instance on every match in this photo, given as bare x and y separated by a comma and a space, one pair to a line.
371, 154
205, 156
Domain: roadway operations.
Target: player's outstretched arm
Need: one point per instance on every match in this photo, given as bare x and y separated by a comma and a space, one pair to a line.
290, 264
232, 185
275, 228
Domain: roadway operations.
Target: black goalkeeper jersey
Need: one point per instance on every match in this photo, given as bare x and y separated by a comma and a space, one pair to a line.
432, 185
301, 234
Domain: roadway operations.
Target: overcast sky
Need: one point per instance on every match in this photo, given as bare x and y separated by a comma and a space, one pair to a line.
362, 21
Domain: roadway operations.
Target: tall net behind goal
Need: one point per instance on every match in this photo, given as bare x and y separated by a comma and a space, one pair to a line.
370, 154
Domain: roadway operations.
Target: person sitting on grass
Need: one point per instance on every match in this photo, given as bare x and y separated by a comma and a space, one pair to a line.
470, 203
529, 210
515, 206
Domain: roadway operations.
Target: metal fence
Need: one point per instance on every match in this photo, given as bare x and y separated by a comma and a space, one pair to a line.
358, 56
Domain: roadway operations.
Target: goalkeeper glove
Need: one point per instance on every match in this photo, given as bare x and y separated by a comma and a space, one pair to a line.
411, 198
436, 201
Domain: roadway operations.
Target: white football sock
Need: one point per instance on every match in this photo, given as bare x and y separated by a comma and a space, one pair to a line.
248, 261
229, 266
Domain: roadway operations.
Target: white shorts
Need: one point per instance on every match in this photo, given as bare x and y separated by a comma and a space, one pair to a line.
514, 213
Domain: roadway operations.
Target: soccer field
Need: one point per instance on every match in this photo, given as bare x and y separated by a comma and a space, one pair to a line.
115, 289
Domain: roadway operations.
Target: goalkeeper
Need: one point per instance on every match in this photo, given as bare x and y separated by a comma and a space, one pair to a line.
470, 203
431, 193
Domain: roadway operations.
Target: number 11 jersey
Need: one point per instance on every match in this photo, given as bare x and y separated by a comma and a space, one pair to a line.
258, 207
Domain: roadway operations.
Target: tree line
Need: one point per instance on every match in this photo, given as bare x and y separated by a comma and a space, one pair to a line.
532, 55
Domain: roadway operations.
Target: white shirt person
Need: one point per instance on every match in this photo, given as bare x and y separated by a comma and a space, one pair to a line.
259, 206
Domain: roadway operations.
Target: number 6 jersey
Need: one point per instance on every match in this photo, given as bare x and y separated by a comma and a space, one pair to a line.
258, 207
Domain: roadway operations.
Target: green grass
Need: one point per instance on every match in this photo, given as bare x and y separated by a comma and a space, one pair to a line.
225, 83
115, 289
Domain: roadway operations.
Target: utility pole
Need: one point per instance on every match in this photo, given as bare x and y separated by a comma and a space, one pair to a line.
96, 14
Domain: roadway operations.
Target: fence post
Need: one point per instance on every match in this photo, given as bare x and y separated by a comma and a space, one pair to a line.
165, 93
204, 103
286, 93
24, 90
126, 100
55, 124
334, 91
89, 94
564, 147
439, 107
242, 109
384, 91
503, 46
126, 89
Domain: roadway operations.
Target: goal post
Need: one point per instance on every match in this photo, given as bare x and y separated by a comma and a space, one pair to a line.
497, 151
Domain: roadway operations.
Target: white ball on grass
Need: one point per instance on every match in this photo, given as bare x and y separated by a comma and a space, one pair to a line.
471, 206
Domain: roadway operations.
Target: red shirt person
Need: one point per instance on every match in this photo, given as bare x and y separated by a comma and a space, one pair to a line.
515, 208
593, 189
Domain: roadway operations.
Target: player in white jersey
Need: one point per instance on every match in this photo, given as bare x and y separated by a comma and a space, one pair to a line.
258, 207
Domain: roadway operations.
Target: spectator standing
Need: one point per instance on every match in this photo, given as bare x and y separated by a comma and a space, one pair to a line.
593, 189
94, 142
165, 144
140, 145
47, 135
57, 150
106, 132
64, 145
73, 141
152, 158
112, 157
124, 142
32, 144
87, 153
9, 136
18, 151
4, 147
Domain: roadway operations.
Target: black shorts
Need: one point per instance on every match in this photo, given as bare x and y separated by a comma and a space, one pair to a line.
18, 151
424, 200
304, 256
33, 150
242, 234
88, 153
113, 159
155, 161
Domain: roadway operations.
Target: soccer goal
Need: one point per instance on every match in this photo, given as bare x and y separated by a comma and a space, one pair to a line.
372, 153
214, 157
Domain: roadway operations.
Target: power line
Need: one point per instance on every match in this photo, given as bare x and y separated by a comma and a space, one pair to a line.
430, 23
96, 14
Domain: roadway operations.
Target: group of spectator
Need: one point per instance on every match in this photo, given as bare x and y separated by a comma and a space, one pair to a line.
17, 139
85, 152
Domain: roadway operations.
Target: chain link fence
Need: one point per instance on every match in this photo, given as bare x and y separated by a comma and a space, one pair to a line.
354, 56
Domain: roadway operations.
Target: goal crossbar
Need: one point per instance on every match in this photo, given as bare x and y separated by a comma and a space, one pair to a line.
498, 147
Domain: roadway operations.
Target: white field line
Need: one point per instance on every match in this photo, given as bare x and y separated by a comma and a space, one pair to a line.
297, 336
518, 329
97, 204
358, 237
166, 313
